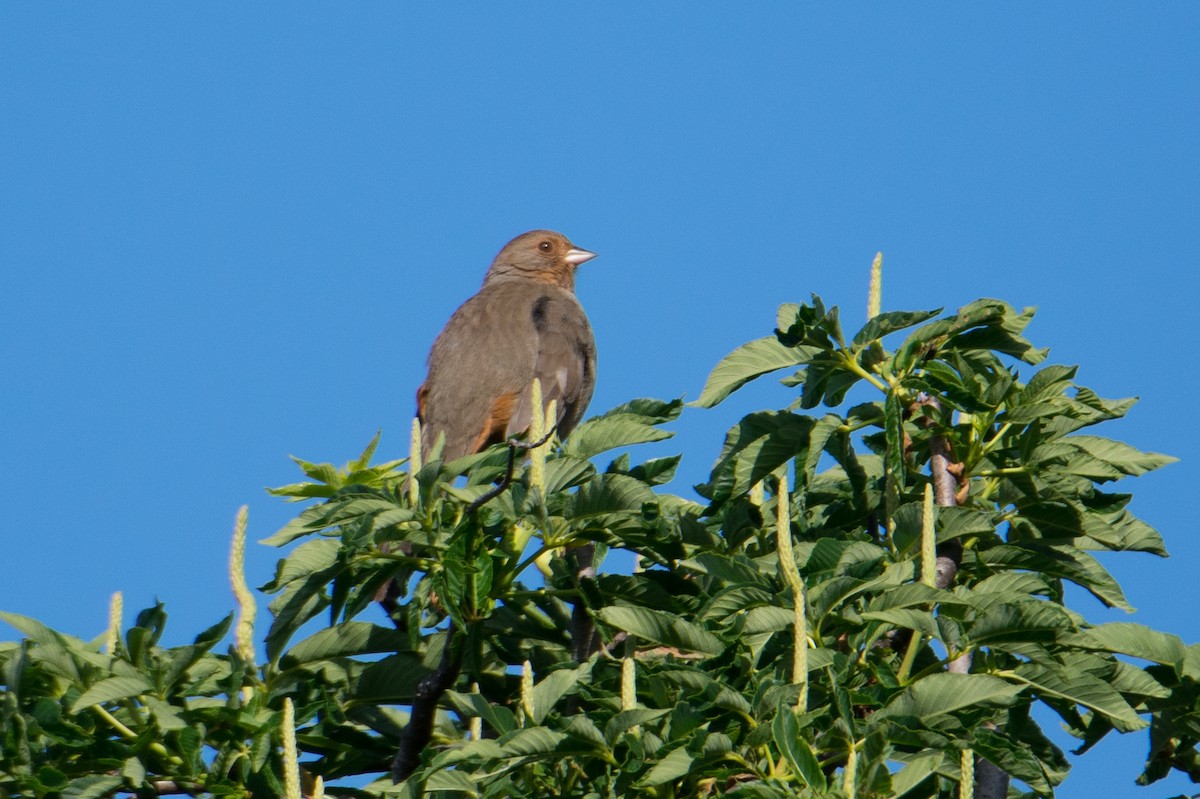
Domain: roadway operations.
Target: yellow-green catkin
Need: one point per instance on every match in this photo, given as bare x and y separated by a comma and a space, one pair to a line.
476, 723
112, 635
850, 773
875, 293
537, 429
527, 690
757, 494
247, 607
414, 462
928, 539
318, 788
791, 574
966, 781
291, 760
629, 688
628, 684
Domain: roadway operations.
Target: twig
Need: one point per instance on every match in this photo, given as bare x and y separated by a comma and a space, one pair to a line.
506, 481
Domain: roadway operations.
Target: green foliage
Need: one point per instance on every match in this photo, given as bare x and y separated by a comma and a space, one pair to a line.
707, 618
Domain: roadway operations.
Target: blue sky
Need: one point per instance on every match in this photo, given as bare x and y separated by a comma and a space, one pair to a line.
230, 233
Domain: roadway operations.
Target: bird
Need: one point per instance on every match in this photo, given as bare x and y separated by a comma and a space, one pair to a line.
524, 322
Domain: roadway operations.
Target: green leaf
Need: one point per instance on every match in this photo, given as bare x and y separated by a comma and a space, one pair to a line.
890, 322
112, 689
785, 729
1059, 560
452, 781
622, 427
656, 471
915, 772
1124, 458
920, 620
894, 426
297, 604
747, 362
609, 493
531, 742
677, 763
755, 447
390, 681
343, 640
309, 557
1133, 640
554, 686
166, 716
1082, 688
91, 786
942, 693
1038, 621
565, 472
663, 628
628, 719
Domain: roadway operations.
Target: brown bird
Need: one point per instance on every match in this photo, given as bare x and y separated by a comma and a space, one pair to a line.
525, 322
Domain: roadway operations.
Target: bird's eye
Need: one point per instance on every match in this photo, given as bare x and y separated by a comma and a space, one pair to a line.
544, 246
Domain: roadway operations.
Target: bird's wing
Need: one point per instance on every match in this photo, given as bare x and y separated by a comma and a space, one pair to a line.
478, 367
566, 361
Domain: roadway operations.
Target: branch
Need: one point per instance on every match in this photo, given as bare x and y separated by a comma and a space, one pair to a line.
583, 629
419, 730
991, 782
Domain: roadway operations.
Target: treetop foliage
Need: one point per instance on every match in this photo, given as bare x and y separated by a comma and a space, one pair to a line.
811, 624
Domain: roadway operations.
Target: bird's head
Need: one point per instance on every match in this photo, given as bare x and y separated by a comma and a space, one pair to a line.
541, 255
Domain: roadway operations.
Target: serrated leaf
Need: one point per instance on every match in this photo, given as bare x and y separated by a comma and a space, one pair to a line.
663, 628
1131, 639
755, 447
785, 729
920, 620
890, 322
309, 557
91, 787
343, 640
1122, 457
390, 681
166, 716
605, 433
1059, 560
916, 771
112, 689
1038, 621
1082, 688
565, 472
942, 693
676, 764
554, 686
747, 362
628, 719
531, 742
452, 781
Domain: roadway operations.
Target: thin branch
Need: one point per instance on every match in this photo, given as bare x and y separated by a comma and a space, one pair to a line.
506, 481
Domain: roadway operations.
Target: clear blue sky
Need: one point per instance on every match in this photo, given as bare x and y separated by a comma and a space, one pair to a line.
229, 232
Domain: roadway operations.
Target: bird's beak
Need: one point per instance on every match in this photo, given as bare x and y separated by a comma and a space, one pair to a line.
576, 256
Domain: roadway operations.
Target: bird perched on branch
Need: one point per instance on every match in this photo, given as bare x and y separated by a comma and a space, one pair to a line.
525, 322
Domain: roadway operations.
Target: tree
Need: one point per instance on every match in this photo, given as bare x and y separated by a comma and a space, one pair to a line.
816, 625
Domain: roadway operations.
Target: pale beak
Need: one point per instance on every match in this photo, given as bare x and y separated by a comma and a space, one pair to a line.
576, 256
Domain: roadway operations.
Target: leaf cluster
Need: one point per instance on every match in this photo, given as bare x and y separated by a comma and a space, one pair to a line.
687, 688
